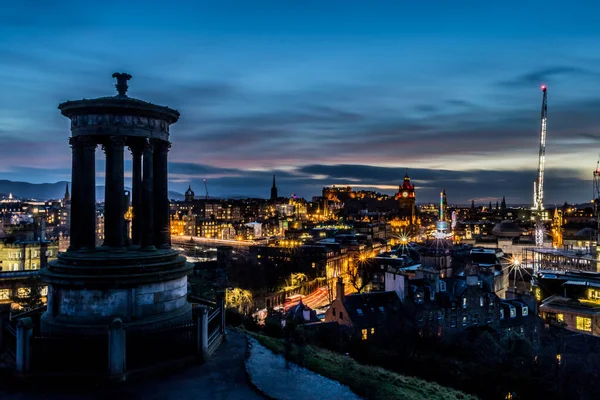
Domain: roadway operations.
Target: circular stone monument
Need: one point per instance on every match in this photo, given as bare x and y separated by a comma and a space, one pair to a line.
137, 278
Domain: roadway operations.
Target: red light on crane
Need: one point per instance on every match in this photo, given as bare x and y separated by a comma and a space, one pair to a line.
544, 88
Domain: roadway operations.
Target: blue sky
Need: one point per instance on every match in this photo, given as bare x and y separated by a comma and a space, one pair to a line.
318, 92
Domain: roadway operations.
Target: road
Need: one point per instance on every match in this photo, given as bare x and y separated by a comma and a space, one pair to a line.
186, 241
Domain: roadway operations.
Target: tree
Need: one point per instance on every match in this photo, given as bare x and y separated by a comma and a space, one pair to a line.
239, 299
296, 279
361, 274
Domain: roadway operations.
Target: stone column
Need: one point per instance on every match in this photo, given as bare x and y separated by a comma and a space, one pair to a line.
88, 197
77, 191
148, 197
114, 223
83, 199
162, 235
201, 313
137, 193
23, 356
117, 354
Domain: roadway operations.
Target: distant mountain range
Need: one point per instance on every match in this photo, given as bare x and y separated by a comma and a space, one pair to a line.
48, 191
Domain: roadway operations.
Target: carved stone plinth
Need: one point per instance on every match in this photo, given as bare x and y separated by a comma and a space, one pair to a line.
143, 289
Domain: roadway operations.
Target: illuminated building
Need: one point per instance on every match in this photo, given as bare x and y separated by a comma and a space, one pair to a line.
19, 262
27, 254
99, 226
285, 210
300, 206
406, 200
560, 260
370, 315
570, 299
64, 218
441, 225
178, 224
189, 223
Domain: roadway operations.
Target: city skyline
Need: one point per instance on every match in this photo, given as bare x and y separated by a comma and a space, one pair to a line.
319, 94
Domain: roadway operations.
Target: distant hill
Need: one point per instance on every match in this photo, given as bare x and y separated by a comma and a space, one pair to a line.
38, 191
47, 191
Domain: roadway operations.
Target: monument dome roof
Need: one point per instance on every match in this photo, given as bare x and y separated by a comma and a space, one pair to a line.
506, 229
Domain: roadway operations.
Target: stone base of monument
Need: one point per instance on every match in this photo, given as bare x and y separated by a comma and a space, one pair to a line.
146, 290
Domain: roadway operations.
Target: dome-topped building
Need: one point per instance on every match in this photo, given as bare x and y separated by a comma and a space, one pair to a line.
189, 195
507, 229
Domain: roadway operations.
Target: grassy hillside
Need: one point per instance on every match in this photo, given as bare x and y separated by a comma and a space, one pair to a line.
366, 381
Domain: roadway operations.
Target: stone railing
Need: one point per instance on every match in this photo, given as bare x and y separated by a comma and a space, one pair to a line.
117, 353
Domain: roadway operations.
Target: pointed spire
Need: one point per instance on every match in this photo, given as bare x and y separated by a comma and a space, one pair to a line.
67, 195
274, 190
503, 204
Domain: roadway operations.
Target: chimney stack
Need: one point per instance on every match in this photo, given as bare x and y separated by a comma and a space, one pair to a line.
339, 289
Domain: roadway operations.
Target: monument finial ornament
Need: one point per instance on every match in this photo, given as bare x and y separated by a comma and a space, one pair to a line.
121, 85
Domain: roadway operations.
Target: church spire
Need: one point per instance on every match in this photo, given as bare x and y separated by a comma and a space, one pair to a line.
67, 195
274, 190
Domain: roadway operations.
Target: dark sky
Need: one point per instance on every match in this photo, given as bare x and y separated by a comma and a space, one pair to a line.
319, 92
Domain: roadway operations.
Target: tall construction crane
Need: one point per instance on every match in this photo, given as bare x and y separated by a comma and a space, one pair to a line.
597, 208
538, 185
205, 188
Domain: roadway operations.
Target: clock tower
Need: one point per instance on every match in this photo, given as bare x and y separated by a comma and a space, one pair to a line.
406, 199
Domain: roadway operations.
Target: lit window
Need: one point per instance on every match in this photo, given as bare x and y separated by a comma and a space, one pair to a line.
594, 294
23, 292
501, 313
481, 302
584, 324
364, 334
538, 294
372, 331
560, 317
464, 300
513, 312
464, 322
359, 311
4, 294
525, 311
